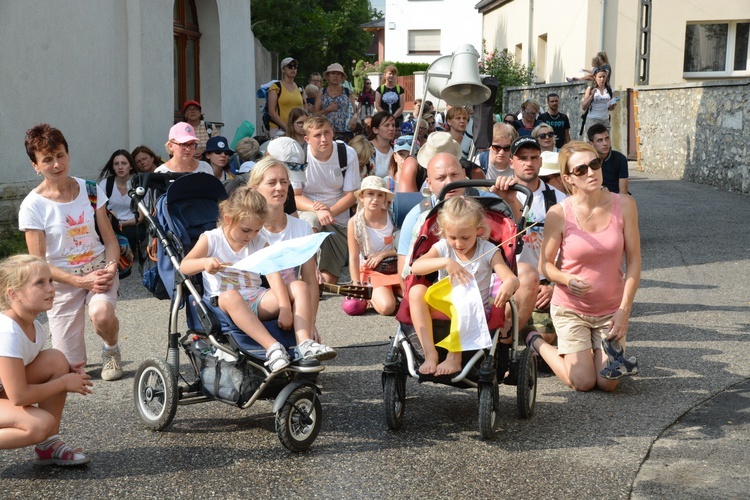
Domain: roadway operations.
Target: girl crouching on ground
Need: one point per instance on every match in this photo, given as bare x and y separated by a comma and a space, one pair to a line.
29, 374
241, 217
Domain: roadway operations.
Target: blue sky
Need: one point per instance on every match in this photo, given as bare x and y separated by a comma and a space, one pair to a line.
378, 4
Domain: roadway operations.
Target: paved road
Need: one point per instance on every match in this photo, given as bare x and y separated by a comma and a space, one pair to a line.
689, 329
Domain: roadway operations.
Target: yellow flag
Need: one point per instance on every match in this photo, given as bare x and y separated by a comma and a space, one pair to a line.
463, 305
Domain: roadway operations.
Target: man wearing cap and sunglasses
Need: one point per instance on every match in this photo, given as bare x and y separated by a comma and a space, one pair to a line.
526, 162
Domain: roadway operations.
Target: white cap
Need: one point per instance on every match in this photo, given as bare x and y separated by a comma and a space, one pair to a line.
287, 150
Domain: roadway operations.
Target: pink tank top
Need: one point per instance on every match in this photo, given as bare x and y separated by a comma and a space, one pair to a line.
597, 257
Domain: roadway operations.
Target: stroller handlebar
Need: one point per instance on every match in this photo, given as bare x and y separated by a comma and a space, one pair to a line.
486, 183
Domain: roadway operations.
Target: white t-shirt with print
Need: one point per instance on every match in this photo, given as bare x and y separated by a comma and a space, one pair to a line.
69, 228
229, 279
15, 344
532, 238
325, 182
295, 228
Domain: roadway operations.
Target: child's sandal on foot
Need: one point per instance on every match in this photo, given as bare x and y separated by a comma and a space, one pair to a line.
59, 453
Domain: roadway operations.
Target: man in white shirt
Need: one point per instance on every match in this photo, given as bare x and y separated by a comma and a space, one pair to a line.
526, 161
324, 199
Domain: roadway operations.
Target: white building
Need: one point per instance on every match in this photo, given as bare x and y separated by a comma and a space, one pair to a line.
423, 30
113, 74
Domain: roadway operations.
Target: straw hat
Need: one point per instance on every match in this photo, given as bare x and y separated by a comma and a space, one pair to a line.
334, 67
438, 142
549, 164
374, 183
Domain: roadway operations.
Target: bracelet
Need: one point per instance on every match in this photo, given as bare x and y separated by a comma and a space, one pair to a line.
110, 263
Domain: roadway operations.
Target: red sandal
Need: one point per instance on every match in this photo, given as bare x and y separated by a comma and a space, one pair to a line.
59, 453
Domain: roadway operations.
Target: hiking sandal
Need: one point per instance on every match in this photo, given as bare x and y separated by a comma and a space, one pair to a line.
277, 357
59, 453
311, 349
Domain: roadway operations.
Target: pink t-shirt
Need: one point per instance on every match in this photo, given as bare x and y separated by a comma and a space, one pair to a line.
596, 257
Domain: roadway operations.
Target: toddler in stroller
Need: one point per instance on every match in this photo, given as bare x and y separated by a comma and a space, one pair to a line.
460, 221
228, 364
238, 293
462, 255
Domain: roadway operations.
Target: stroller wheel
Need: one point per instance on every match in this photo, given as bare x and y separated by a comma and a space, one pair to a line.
155, 393
489, 409
526, 388
394, 396
299, 419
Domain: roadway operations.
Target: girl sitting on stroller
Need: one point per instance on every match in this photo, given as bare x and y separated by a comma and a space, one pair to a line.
462, 255
241, 218
370, 239
29, 374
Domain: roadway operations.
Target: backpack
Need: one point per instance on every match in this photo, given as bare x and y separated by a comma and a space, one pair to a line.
125, 263
262, 93
550, 198
341, 150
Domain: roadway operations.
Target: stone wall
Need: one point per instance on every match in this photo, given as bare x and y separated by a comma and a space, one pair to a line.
696, 132
693, 131
571, 95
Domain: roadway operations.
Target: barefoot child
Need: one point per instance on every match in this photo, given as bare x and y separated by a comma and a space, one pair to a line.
462, 255
241, 218
370, 240
29, 374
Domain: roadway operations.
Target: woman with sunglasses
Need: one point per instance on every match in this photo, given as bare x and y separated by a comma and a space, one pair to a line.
217, 155
283, 96
366, 100
546, 137
585, 238
180, 148
496, 161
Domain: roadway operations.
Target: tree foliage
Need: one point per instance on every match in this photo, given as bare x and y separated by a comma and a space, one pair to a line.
508, 72
315, 32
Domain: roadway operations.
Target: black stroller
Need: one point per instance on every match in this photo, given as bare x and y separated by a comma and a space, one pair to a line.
226, 364
484, 369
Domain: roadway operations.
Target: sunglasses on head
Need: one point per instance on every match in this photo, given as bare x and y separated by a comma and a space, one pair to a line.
498, 147
403, 141
583, 169
548, 135
295, 167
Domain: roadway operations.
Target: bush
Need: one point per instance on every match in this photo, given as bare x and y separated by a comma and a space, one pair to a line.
508, 72
12, 242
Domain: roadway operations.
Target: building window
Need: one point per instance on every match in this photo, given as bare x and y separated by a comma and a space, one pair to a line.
186, 54
424, 42
716, 49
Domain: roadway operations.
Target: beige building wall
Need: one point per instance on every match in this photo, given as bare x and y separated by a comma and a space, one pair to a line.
573, 32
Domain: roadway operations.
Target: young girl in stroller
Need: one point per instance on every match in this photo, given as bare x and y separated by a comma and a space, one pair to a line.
240, 295
463, 255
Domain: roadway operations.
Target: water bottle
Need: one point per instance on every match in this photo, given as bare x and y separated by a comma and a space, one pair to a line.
201, 347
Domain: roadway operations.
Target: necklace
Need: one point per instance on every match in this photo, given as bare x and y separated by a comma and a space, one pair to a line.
580, 209
553, 117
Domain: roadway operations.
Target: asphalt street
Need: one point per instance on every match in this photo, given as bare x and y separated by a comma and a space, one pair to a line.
679, 429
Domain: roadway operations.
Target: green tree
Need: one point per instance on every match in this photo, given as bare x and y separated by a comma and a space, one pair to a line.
508, 72
315, 32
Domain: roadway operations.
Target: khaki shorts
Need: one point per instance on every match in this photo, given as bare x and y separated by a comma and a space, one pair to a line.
334, 251
578, 332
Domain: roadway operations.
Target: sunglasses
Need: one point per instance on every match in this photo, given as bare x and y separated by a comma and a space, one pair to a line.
549, 135
510, 122
498, 147
292, 66
189, 145
403, 141
583, 169
225, 153
295, 167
